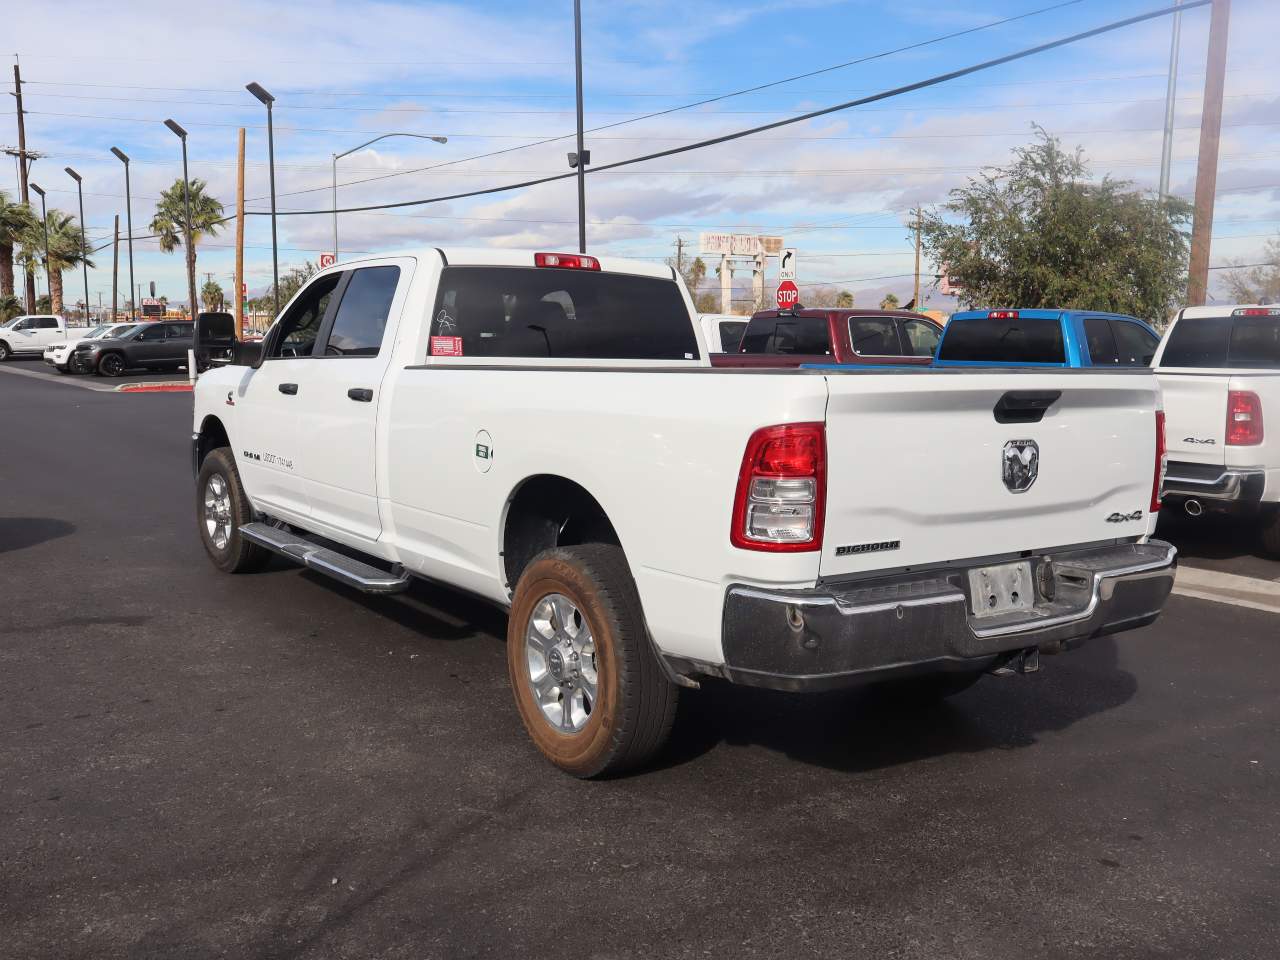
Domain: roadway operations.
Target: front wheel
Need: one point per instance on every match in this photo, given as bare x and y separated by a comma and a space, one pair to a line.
5, 351
111, 365
222, 508
587, 684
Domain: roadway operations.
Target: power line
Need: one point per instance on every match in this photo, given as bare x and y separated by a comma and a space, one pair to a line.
725, 138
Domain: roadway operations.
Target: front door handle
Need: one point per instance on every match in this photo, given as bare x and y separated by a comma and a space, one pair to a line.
363, 394
289, 388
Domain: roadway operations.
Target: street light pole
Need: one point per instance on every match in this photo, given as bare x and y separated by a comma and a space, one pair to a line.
44, 219
582, 156
186, 203
84, 259
339, 156
1166, 150
128, 224
267, 100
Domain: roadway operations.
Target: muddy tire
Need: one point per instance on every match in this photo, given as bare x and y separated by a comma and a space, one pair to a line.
587, 684
221, 509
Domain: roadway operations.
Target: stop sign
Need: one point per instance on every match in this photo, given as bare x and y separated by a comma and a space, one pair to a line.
788, 295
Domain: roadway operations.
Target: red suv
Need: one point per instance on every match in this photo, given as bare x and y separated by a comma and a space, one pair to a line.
786, 338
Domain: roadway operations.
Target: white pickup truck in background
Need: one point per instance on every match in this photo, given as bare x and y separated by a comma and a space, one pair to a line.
1219, 369
31, 333
546, 431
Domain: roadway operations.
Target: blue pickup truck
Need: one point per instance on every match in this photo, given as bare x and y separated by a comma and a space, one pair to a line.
1045, 338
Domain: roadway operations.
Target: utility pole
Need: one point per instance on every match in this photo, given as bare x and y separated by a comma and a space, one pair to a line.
1166, 151
115, 273
240, 237
680, 255
1207, 165
915, 299
23, 194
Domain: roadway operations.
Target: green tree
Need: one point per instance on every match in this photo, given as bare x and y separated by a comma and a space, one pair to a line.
826, 297
15, 220
10, 307
67, 249
290, 284
844, 299
170, 221
1257, 284
694, 273
1038, 233
890, 302
211, 295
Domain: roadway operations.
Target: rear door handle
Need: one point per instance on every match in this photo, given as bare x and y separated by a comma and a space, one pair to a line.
363, 394
290, 388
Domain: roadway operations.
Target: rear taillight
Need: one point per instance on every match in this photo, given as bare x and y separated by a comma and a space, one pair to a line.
566, 261
1162, 462
1244, 419
1002, 315
782, 489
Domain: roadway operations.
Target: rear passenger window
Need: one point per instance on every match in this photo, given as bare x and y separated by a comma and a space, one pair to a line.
874, 336
809, 336
731, 334
362, 314
300, 324
554, 312
46, 323
1135, 344
178, 331
1102, 344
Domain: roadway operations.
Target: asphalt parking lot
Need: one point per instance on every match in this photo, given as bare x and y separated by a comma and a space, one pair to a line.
194, 765
35, 367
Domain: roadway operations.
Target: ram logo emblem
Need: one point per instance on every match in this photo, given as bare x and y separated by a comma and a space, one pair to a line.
1020, 465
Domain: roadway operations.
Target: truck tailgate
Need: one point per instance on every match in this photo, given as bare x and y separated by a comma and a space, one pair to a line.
1195, 407
920, 471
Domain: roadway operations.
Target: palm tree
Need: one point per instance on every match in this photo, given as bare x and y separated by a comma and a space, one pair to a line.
67, 249
10, 307
15, 220
169, 223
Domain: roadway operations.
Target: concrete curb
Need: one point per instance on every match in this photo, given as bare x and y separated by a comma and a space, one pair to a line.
154, 388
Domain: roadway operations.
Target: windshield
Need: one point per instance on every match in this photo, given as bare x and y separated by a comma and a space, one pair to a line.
119, 331
809, 336
1013, 340
1243, 342
9, 323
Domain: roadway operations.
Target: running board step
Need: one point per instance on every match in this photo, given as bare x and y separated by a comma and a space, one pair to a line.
354, 573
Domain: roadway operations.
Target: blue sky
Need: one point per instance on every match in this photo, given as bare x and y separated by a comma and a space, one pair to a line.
495, 76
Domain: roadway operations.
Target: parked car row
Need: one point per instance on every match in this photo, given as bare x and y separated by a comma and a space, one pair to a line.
550, 431
1218, 368
109, 350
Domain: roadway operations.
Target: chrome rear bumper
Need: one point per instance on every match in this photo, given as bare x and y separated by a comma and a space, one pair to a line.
1210, 482
842, 634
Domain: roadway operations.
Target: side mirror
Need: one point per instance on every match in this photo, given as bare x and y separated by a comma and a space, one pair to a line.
215, 339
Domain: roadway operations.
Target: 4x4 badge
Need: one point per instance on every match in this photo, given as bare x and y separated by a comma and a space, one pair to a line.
1020, 465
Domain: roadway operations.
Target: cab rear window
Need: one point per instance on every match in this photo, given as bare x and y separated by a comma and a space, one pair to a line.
548, 312
998, 340
796, 335
1244, 342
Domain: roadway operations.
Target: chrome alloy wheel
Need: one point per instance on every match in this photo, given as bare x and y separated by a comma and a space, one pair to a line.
560, 655
217, 511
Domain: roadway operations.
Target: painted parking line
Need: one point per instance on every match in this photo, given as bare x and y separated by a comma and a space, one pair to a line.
71, 380
1251, 592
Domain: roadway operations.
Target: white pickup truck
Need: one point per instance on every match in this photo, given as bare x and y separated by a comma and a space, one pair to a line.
1219, 369
546, 431
31, 333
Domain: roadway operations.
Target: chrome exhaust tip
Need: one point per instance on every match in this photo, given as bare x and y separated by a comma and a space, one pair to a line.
1193, 508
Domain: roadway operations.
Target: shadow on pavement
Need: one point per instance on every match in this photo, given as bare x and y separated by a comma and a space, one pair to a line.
18, 533
868, 728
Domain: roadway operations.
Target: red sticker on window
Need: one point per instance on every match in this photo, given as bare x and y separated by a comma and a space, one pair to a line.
446, 346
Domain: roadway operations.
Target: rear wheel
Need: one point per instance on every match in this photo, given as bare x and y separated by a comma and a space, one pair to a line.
222, 508
111, 365
1271, 532
587, 684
